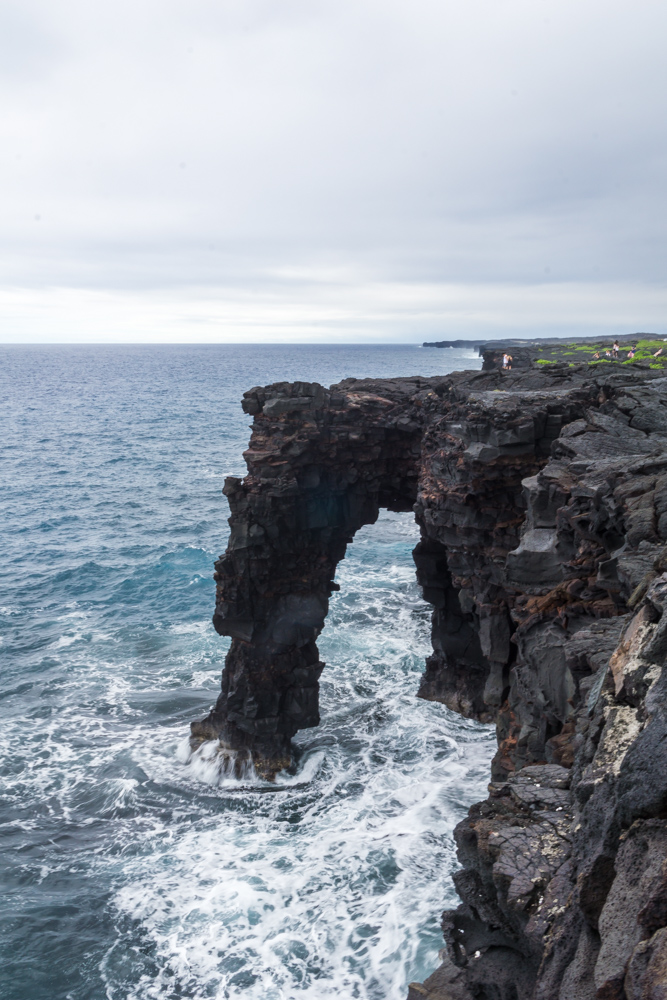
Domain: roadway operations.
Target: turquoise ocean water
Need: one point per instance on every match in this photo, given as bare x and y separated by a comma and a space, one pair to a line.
128, 872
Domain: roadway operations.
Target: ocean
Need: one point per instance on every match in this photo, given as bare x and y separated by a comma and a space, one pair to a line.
131, 872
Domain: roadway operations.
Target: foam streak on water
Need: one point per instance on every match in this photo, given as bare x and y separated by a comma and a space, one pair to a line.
138, 870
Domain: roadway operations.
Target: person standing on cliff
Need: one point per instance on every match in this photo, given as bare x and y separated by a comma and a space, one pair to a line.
507, 362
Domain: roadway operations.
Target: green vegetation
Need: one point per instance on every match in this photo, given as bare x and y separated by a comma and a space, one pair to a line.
650, 345
646, 349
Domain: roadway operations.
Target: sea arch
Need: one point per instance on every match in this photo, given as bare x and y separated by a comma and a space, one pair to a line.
321, 464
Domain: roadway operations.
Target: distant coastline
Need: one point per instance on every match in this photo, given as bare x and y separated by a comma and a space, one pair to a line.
625, 338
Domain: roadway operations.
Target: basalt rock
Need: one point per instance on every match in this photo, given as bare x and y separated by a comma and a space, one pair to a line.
541, 496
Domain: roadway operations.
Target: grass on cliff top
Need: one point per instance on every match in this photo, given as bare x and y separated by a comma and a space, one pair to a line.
650, 345
645, 348
591, 348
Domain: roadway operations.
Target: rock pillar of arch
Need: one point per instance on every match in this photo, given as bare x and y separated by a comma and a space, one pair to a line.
321, 464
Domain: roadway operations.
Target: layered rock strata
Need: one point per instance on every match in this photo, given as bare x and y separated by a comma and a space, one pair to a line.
541, 497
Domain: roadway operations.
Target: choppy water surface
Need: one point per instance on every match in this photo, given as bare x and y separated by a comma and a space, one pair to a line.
131, 871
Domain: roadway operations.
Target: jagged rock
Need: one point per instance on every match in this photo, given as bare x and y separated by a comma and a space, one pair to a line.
541, 496
646, 978
636, 905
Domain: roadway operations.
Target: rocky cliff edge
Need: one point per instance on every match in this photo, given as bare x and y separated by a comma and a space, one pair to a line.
541, 497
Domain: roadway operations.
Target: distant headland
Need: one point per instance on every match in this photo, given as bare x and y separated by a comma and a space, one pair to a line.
626, 338
647, 349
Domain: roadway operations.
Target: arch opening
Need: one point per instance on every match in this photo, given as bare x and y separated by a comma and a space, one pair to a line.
275, 581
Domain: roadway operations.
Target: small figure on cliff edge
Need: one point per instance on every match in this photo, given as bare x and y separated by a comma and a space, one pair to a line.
507, 362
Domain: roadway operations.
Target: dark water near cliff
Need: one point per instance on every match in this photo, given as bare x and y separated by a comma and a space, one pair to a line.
129, 873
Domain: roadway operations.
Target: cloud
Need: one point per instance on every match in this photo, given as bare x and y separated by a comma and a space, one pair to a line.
233, 152
330, 309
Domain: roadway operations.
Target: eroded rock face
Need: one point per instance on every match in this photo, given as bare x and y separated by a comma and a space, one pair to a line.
542, 502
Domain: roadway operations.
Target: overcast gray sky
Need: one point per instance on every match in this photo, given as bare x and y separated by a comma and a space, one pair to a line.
257, 170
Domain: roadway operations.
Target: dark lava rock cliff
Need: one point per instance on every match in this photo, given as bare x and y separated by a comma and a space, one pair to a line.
541, 496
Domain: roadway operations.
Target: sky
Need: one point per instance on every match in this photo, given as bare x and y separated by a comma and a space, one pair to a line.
332, 170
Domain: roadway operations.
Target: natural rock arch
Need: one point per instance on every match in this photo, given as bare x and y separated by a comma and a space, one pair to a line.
321, 464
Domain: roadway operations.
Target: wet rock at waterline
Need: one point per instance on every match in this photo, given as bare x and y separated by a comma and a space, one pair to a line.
541, 497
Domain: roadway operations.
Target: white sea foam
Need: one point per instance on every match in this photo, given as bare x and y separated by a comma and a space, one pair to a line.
330, 902
214, 764
327, 883
68, 640
191, 628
